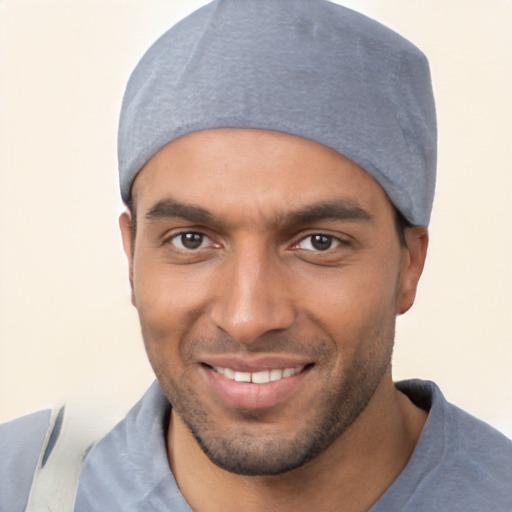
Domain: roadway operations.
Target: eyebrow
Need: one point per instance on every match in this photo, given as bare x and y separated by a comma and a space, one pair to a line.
170, 208
342, 209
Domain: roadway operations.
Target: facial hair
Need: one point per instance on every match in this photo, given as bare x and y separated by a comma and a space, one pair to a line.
251, 450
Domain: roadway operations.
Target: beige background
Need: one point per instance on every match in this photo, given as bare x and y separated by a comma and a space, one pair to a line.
67, 329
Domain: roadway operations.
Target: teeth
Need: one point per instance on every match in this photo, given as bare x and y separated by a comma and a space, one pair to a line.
261, 377
276, 375
229, 373
242, 377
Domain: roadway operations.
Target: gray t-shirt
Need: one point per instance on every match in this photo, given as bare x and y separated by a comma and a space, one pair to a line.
459, 463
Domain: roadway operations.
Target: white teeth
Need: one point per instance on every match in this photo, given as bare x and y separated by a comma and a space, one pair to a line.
229, 373
242, 376
261, 377
276, 375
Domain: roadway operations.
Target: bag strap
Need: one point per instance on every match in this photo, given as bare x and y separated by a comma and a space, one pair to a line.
66, 444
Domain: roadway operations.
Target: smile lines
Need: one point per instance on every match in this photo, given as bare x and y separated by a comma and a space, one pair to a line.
261, 377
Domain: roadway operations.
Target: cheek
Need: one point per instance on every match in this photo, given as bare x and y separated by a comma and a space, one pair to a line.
165, 293
353, 292
169, 305
356, 308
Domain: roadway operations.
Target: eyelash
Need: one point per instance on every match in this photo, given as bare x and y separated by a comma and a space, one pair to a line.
331, 241
179, 236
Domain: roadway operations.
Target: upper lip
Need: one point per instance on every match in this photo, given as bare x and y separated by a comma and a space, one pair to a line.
255, 362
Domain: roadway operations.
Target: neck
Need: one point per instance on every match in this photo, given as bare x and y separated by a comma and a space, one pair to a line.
349, 476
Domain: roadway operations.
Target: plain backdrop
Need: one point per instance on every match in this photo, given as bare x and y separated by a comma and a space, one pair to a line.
67, 329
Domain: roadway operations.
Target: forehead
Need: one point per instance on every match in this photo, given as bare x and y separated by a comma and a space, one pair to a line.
256, 171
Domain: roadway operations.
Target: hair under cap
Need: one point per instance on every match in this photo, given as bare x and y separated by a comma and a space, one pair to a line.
309, 68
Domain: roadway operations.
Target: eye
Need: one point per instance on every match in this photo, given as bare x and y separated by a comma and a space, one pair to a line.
190, 241
319, 242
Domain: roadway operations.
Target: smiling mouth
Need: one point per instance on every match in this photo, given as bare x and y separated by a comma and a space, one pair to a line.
260, 377
256, 385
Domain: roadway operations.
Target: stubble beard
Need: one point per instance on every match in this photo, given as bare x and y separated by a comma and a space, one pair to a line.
245, 453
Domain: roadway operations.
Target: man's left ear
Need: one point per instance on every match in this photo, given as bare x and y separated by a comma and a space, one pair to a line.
413, 261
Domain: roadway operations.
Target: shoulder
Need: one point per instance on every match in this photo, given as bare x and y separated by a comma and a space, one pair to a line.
463, 435
21, 441
462, 463
128, 469
481, 454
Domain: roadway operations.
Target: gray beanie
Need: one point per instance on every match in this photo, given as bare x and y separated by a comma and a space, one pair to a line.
309, 68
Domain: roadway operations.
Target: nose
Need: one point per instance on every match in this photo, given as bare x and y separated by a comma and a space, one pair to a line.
252, 298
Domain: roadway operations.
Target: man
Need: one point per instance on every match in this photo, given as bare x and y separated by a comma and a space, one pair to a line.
278, 163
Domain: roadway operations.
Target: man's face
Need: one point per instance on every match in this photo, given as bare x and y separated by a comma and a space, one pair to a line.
267, 275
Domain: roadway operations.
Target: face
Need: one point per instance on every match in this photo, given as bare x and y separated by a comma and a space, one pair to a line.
267, 274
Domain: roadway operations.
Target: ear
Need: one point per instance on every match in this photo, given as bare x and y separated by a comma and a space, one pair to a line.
125, 220
413, 261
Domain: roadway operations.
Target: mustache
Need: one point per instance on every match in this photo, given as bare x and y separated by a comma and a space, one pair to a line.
271, 343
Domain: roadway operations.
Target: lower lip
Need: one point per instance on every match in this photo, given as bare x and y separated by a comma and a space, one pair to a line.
247, 395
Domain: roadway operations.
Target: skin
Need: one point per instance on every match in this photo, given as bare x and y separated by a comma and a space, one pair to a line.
254, 250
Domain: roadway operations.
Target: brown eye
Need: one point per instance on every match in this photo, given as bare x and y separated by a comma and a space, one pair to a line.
318, 242
321, 242
189, 241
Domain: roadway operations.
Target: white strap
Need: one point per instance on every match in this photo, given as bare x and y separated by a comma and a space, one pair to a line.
56, 477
